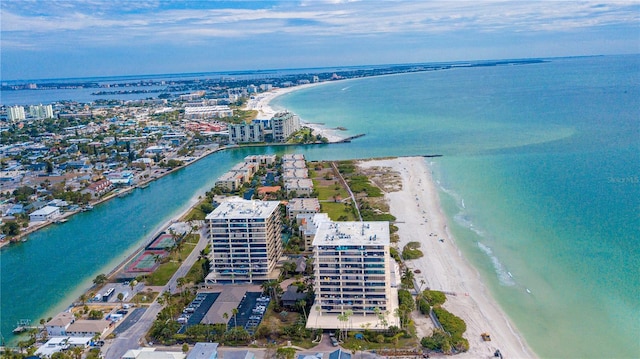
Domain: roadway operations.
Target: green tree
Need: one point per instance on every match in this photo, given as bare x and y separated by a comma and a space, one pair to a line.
100, 279
11, 228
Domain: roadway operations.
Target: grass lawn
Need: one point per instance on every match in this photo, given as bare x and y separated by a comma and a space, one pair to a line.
195, 214
144, 297
165, 271
327, 192
336, 210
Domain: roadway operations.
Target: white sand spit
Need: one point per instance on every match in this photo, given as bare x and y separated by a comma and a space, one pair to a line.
261, 103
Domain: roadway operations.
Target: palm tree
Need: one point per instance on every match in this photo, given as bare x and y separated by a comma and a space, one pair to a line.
349, 314
343, 318
77, 352
302, 304
234, 311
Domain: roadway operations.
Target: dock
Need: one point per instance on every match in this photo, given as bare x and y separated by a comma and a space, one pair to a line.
348, 139
23, 325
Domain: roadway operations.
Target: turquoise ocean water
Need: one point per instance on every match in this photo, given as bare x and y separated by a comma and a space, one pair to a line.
539, 178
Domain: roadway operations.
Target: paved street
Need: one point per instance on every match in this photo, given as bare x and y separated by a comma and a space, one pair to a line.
133, 337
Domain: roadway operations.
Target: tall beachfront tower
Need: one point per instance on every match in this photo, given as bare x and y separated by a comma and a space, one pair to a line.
245, 241
354, 275
284, 124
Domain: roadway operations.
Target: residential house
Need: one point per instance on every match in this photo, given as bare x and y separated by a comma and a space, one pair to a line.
88, 328
58, 325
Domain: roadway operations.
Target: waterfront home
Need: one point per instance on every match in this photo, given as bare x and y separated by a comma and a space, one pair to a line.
44, 214
58, 344
97, 189
58, 325
88, 328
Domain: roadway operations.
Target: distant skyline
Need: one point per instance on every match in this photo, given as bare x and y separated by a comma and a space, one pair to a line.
85, 38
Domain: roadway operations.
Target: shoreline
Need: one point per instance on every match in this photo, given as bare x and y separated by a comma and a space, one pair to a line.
443, 266
262, 104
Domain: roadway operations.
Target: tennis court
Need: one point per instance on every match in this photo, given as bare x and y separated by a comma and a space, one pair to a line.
163, 241
147, 261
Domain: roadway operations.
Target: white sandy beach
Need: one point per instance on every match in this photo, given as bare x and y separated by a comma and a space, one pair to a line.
443, 267
261, 103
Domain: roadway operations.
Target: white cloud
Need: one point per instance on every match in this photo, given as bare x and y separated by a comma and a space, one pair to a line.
159, 22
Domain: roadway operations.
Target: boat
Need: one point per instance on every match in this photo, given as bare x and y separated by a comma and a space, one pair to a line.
59, 221
144, 185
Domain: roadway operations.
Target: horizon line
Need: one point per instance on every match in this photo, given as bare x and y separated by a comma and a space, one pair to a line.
266, 71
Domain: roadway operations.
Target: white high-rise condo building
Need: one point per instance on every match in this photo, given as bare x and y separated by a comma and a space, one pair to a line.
284, 125
245, 241
41, 112
16, 113
353, 274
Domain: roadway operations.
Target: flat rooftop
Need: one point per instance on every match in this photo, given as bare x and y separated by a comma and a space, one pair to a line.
354, 233
244, 209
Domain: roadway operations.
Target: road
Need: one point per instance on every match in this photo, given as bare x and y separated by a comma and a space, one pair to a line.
133, 337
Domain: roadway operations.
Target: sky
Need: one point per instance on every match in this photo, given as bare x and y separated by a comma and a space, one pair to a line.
43, 39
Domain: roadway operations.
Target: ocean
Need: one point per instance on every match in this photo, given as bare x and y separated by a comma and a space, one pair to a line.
539, 179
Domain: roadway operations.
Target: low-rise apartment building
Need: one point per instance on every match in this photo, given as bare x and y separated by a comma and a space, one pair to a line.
298, 206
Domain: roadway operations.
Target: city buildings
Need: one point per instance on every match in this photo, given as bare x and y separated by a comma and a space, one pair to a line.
247, 132
354, 273
16, 113
41, 112
284, 124
245, 241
